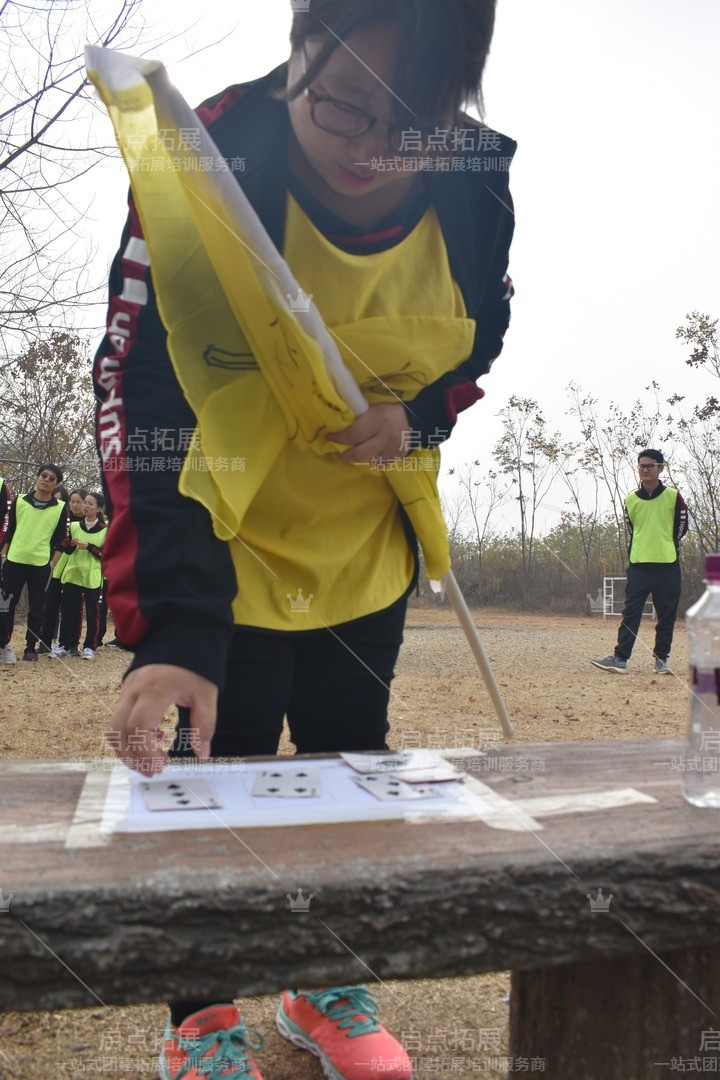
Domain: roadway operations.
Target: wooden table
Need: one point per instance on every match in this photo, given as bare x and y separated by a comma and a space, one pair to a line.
147, 917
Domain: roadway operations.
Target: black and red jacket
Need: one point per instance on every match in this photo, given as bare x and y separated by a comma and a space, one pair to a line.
5, 504
170, 580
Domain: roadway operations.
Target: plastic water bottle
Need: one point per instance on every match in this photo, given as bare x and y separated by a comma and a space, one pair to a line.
702, 761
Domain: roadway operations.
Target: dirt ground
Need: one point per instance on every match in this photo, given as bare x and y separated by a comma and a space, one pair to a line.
451, 1027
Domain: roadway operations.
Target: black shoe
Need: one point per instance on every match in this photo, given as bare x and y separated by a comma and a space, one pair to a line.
29, 654
115, 644
43, 649
74, 652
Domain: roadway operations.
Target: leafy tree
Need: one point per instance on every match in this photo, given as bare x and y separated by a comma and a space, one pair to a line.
701, 333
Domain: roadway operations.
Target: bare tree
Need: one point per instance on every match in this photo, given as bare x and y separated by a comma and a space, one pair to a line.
46, 144
574, 468
479, 496
611, 446
525, 453
47, 411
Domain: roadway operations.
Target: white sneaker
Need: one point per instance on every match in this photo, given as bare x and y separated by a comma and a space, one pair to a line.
8, 655
88, 654
59, 652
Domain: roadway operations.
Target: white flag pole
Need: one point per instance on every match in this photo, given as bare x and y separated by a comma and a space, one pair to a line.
451, 587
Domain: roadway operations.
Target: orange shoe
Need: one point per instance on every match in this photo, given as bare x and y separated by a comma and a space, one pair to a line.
211, 1043
338, 1026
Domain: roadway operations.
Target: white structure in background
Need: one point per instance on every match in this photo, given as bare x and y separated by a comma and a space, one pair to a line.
613, 598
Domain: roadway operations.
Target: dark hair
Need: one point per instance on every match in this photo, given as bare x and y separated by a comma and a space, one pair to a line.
440, 63
656, 455
82, 492
51, 468
61, 493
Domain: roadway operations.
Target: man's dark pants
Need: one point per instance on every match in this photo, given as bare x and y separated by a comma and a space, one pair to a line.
15, 575
662, 582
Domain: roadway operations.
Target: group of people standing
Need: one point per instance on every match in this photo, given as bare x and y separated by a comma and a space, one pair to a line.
51, 541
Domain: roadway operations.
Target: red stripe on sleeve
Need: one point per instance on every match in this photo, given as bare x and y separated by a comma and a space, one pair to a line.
208, 113
111, 430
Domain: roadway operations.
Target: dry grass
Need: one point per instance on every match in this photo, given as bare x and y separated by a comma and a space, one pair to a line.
52, 710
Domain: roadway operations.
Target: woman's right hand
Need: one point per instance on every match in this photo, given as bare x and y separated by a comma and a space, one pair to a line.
146, 694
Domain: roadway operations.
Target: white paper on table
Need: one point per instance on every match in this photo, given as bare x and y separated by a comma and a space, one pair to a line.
340, 800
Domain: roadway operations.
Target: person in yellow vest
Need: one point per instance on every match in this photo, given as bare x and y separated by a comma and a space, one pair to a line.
657, 519
7, 656
392, 208
82, 579
53, 593
37, 531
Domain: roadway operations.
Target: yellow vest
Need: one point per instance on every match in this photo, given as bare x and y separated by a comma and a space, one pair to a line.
320, 527
82, 567
34, 530
653, 522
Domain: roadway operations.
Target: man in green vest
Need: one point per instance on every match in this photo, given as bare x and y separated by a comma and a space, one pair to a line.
657, 519
5, 503
36, 533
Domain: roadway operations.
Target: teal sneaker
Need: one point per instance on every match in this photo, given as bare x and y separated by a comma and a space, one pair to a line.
213, 1043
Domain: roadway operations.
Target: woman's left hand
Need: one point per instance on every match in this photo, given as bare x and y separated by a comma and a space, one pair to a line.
379, 436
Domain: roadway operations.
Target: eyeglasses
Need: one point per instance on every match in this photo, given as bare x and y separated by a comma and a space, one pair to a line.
48, 476
655, 465
350, 122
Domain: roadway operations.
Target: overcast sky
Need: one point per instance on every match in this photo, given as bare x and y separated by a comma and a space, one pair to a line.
615, 105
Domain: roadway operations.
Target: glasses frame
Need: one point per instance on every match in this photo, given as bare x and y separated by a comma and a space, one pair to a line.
654, 465
372, 121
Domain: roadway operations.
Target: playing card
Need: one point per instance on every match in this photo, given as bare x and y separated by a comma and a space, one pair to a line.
192, 794
414, 767
389, 789
433, 774
376, 763
287, 783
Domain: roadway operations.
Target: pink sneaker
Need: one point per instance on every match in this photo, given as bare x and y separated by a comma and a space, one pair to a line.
338, 1026
211, 1043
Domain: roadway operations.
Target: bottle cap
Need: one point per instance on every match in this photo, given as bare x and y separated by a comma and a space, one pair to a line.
712, 568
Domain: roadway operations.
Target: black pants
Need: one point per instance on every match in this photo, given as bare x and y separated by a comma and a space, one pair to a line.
662, 582
103, 614
70, 614
333, 686
51, 615
15, 576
